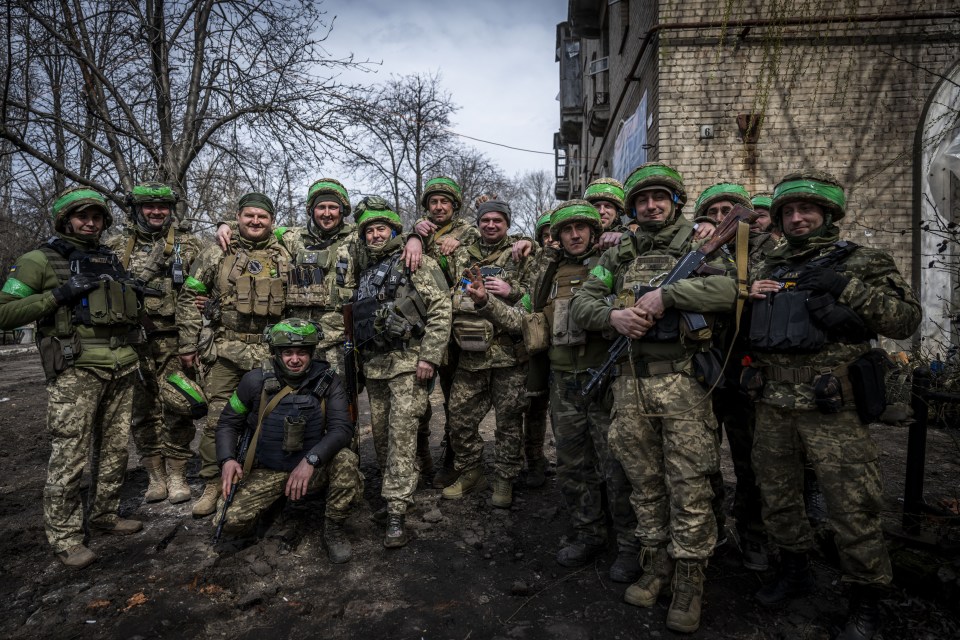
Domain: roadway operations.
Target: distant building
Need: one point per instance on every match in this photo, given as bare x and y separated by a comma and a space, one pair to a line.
868, 90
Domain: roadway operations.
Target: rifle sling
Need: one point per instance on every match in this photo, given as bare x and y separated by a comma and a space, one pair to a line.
265, 408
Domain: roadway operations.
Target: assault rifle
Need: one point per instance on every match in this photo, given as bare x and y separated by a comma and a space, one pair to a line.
241, 456
350, 382
691, 264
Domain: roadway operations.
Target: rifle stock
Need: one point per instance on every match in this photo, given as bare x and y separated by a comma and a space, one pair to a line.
687, 266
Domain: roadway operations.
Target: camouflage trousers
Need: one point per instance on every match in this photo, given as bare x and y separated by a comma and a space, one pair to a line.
668, 459
445, 378
155, 432
341, 477
844, 458
88, 417
584, 463
737, 415
472, 396
396, 406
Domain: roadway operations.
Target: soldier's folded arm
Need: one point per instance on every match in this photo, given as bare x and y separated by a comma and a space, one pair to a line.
705, 295
431, 285
591, 307
883, 299
23, 299
506, 317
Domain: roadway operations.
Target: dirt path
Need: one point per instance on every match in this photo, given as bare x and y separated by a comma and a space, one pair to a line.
471, 571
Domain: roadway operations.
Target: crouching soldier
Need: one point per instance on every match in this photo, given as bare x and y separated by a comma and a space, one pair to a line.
294, 411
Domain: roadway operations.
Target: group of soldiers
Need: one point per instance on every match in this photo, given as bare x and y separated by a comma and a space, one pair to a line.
642, 332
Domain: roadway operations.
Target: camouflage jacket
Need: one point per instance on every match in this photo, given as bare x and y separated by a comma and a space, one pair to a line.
457, 228
154, 258
877, 293
643, 259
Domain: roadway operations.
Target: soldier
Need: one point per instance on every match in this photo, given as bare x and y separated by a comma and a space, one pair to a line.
542, 232
158, 252
401, 328
580, 424
442, 231
490, 371
295, 410
761, 204
662, 431
245, 290
316, 289
822, 384
87, 313
733, 409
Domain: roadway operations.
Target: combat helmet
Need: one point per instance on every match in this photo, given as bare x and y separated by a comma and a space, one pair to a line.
731, 192
652, 175
75, 198
331, 189
762, 201
375, 209
151, 192
572, 211
442, 185
182, 396
292, 332
605, 189
542, 221
813, 186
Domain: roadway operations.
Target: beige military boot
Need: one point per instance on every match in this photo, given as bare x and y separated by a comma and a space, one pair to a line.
502, 493
469, 481
157, 489
119, 527
76, 557
177, 488
657, 571
684, 612
207, 503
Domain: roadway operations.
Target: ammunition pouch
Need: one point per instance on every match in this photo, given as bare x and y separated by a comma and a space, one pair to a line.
708, 368
564, 331
868, 379
262, 297
111, 303
828, 393
471, 332
781, 322
293, 429
57, 354
535, 333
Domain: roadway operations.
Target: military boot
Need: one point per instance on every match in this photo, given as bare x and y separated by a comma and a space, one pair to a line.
502, 496
536, 472
469, 481
657, 571
156, 477
447, 474
339, 549
396, 535
207, 503
76, 557
177, 488
626, 566
118, 527
793, 579
579, 553
684, 612
863, 615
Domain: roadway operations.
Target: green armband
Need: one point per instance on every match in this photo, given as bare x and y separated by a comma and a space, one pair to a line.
238, 406
195, 285
17, 289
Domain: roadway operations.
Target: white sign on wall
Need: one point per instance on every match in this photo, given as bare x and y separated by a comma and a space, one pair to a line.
628, 149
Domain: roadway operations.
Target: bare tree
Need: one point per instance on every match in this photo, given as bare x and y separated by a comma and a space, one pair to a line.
108, 92
532, 196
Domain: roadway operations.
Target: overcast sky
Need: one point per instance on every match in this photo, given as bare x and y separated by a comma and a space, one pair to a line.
495, 57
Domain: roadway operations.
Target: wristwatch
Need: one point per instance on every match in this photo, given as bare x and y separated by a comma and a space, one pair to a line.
313, 459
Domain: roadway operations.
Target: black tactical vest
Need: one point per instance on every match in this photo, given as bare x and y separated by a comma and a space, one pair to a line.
299, 419
379, 287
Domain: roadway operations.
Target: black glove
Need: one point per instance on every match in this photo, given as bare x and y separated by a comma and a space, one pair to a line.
76, 286
822, 279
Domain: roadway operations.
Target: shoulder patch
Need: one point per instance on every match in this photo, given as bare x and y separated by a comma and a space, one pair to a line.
602, 274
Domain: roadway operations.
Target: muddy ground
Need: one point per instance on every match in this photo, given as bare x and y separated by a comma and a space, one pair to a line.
471, 571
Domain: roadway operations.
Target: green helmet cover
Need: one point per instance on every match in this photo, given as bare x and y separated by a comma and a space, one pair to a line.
573, 211
761, 200
328, 187
293, 332
152, 192
375, 209
543, 221
605, 189
445, 186
652, 175
732, 192
812, 186
76, 198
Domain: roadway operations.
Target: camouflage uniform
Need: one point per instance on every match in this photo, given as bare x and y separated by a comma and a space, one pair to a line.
151, 257
580, 425
664, 437
231, 341
838, 445
90, 393
493, 376
330, 427
397, 400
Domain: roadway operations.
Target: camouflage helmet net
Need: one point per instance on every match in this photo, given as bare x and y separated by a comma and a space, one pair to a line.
731, 192
810, 186
573, 211
76, 198
182, 396
652, 175
375, 209
293, 332
444, 186
605, 189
